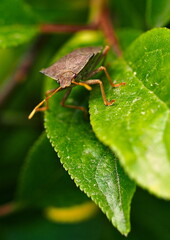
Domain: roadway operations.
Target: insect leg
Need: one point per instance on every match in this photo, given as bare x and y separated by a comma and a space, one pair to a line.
97, 81
102, 68
71, 106
82, 84
46, 94
37, 108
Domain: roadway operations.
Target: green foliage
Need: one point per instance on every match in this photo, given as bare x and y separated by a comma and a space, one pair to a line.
92, 166
56, 11
141, 14
10, 58
48, 189
19, 139
36, 12
33, 226
105, 154
12, 36
127, 36
137, 126
129, 13
15, 12
157, 13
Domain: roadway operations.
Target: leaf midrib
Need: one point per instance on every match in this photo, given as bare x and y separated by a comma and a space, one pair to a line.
84, 189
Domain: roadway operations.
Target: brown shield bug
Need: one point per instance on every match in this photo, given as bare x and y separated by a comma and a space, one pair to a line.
76, 68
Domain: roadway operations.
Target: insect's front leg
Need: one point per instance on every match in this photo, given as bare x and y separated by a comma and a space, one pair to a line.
46, 100
37, 108
82, 84
102, 68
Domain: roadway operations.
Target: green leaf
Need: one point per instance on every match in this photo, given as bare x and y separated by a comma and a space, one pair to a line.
149, 218
157, 13
137, 126
64, 12
15, 12
11, 36
44, 182
129, 13
126, 36
9, 61
92, 165
18, 139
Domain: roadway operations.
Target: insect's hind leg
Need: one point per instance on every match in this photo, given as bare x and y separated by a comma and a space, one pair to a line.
102, 68
83, 109
97, 81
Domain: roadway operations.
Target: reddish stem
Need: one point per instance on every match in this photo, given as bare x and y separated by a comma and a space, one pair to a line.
56, 28
104, 23
108, 29
6, 209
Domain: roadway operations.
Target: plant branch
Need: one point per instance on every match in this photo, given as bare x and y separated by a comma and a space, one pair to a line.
61, 28
7, 209
100, 19
106, 26
100, 15
96, 7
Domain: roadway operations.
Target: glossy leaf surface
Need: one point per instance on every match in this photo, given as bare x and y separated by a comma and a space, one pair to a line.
94, 168
11, 36
157, 13
137, 126
53, 187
